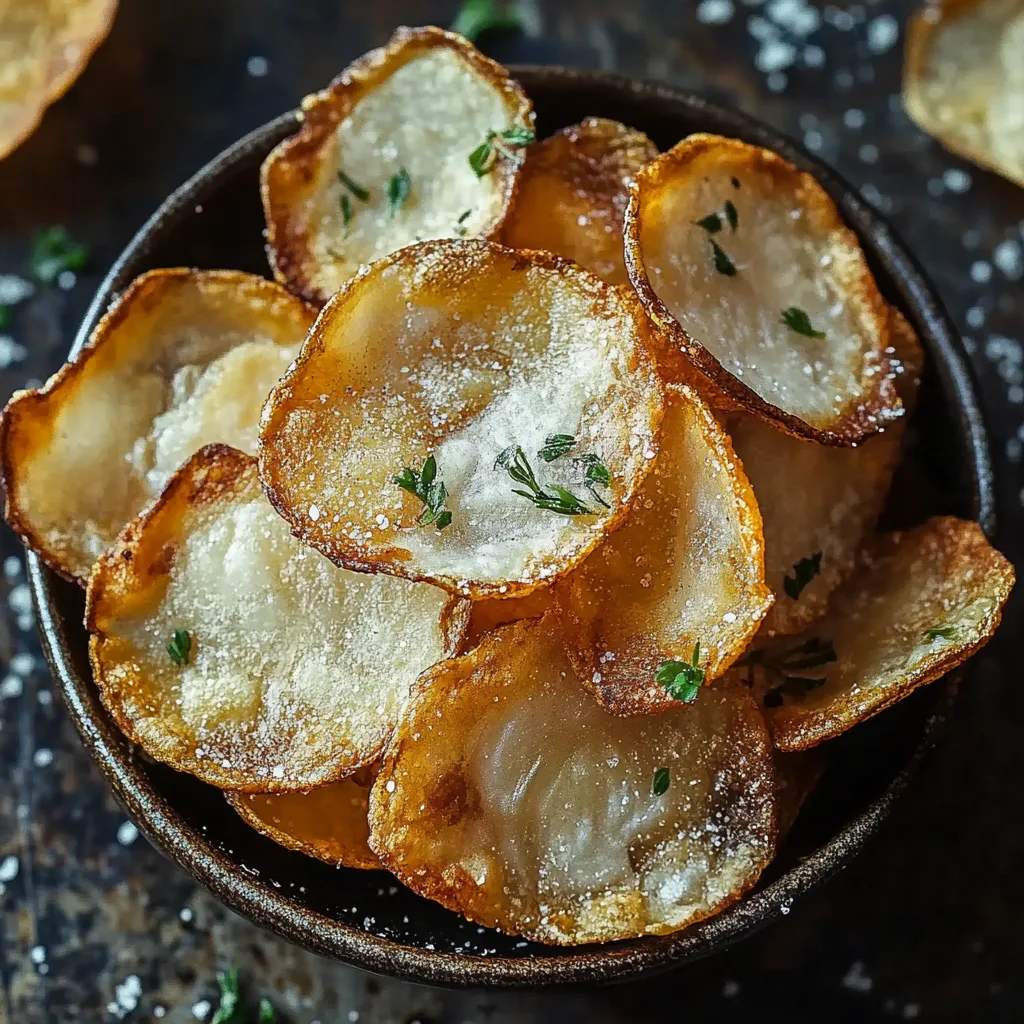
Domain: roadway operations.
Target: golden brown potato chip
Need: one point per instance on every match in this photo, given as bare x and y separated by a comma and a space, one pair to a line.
924, 602
687, 568
573, 191
183, 359
819, 503
508, 795
44, 46
382, 159
328, 823
223, 647
432, 367
760, 289
492, 612
963, 79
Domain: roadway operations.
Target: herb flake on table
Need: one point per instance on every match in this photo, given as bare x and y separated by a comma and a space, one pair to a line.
179, 648
54, 252
682, 680
475, 17
803, 572
798, 321
431, 491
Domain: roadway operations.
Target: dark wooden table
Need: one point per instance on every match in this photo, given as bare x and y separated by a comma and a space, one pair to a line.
97, 926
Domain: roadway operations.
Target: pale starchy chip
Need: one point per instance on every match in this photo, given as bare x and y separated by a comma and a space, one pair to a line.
924, 602
183, 359
796, 776
328, 823
44, 46
819, 504
761, 290
508, 795
465, 414
573, 192
682, 579
963, 79
226, 649
419, 139
491, 612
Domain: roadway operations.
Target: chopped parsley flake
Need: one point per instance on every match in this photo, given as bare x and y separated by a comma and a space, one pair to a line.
398, 189
661, 781
478, 16
712, 223
803, 572
425, 486
797, 320
180, 647
682, 680
732, 215
359, 191
940, 633
346, 210
267, 1014
53, 252
723, 264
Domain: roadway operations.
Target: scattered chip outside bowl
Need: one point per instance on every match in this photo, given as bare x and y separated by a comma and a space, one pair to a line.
686, 569
224, 648
573, 192
44, 46
328, 823
382, 160
508, 795
762, 292
458, 352
184, 358
963, 80
924, 602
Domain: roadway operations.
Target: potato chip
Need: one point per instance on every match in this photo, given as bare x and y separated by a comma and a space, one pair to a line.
328, 823
924, 602
492, 612
467, 415
819, 503
223, 647
685, 572
382, 159
963, 80
508, 795
573, 191
184, 358
796, 776
44, 46
761, 290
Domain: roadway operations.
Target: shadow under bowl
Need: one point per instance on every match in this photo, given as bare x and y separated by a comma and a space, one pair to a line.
367, 918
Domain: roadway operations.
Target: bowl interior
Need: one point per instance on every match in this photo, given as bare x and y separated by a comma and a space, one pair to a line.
366, 918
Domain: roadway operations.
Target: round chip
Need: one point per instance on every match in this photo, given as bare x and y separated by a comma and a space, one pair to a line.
760, 289
573, 192
683, 578
819, 503
328, 823
44, 46
465, 414
383, 159
224, 648
924, 602
508, 795
184, 358
963, 80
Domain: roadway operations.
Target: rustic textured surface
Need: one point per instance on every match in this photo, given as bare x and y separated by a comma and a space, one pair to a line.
96, 926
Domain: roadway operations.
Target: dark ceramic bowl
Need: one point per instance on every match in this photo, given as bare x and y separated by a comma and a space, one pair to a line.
366, 918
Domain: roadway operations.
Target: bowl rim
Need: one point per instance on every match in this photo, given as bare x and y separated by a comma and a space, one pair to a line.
272, 909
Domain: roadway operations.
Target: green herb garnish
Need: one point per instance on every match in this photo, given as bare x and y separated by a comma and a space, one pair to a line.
460, 224
346, 210
555, 446
661, 781
180, 647
398, 189
267, 1015
803, 572
723, 264
797, 320
478, 16
53, 252
228, 981
360, 192
732, 215
712, 223
507, 142
596, 474
682, 680
553, 499
940, 633
783, 668
5, 316
425, 486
